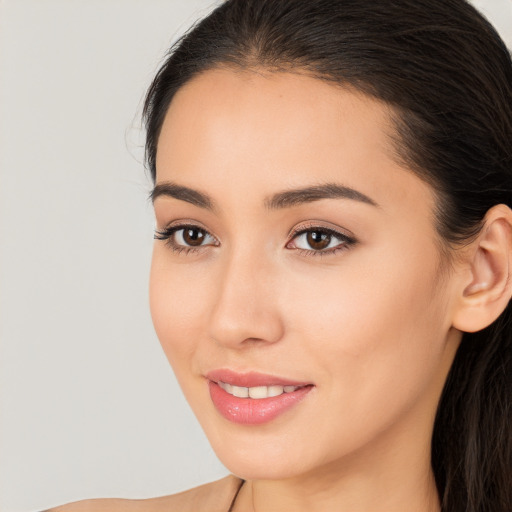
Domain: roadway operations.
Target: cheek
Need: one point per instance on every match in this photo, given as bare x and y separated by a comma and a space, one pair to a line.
177, 303
376, 327
370, 290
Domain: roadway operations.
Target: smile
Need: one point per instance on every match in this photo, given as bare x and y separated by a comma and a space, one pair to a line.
254, 398
257, 392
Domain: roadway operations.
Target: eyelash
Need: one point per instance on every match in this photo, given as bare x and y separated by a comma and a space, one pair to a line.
346, 241
167, 235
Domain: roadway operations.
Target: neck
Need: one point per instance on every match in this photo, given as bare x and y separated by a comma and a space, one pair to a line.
414, 490
354, 495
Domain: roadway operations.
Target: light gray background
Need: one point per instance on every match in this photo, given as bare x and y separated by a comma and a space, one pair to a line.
89, 405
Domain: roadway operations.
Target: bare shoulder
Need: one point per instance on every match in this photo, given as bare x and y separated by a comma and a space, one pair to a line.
212, 497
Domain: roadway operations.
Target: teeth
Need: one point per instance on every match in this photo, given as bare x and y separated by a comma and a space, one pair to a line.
239, 392
256, 392
276, 390
226, 387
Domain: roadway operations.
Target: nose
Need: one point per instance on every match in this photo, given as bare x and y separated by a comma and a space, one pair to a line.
247, 306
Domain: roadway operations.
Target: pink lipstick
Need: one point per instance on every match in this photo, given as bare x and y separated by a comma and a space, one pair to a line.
253, 398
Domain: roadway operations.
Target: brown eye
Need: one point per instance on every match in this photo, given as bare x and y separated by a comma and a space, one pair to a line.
186, 236
193, 236
318, 240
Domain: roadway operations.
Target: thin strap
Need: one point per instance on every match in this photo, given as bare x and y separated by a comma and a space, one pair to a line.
230, 509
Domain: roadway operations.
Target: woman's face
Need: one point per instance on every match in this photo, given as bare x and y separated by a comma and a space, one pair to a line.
295, 251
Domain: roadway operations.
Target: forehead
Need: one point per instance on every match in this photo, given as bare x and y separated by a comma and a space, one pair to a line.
251, 108
252, 132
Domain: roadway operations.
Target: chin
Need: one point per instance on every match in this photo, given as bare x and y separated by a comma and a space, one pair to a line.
260, 469
259, 456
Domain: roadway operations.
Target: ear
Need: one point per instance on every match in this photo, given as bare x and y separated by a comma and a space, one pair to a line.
486, 280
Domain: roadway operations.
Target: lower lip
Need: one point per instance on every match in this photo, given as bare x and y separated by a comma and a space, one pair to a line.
251, 411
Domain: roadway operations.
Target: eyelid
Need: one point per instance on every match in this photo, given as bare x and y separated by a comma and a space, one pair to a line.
346, 240
163, 234
321, 226
167, 233
184, 223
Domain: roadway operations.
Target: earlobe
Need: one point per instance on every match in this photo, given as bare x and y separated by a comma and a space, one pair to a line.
487, 285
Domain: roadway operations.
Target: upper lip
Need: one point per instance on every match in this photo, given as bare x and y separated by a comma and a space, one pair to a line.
251, 379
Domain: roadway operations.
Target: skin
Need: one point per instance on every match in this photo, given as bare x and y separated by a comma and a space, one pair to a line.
370, 325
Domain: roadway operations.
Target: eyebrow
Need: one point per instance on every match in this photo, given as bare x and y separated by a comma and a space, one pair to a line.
182, 193
280, 200
295, 197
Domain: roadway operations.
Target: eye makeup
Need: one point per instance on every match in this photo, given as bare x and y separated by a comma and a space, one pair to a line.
186, 238
310, 240
317, 240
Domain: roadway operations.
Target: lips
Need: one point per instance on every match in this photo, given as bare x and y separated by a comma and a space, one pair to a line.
253, 398
251, 379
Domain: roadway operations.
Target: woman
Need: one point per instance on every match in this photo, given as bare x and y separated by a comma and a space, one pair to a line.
331, 274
